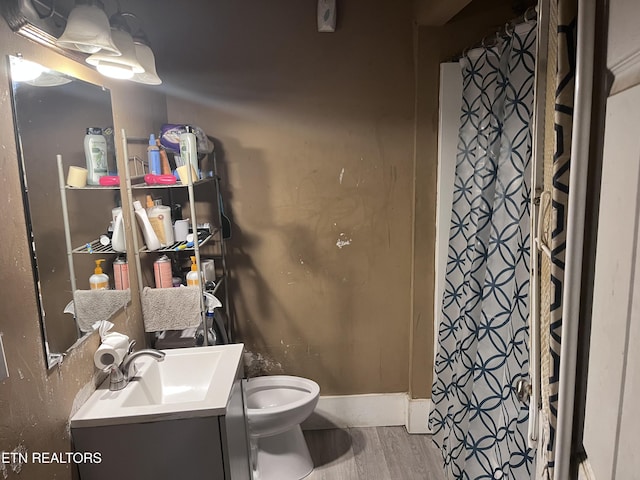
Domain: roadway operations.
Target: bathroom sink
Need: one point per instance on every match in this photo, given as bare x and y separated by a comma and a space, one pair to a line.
189, 382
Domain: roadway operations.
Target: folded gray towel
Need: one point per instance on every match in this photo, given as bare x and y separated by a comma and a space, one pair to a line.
171, 308
93, 306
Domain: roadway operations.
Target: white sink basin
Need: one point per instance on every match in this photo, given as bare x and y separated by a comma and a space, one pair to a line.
189, 382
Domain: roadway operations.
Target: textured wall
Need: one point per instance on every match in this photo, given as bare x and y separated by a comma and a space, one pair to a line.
316, 138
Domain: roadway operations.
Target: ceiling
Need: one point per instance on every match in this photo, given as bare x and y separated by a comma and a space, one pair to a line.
434, 13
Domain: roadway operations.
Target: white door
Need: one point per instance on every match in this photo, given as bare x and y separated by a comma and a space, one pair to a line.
612, 419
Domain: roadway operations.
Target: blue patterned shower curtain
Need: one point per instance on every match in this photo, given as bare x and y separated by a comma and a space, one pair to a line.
483, 338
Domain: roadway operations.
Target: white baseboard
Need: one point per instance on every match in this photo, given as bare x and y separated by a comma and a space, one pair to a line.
418, 415
371, 410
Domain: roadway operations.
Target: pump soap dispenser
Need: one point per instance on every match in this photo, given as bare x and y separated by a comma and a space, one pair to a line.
99, 280
193, 277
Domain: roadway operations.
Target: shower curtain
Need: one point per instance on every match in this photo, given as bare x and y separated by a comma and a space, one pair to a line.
478, 423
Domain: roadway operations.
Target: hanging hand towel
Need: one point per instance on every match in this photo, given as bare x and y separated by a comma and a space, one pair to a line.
171, 308
93, 306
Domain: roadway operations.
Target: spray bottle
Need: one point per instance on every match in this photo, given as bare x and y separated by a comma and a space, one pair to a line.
214, 324
99, 280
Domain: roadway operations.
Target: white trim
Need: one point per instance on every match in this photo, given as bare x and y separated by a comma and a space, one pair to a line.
626, 72
370, 410
418, 415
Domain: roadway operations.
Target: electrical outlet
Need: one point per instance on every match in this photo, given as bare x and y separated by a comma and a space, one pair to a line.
4, 371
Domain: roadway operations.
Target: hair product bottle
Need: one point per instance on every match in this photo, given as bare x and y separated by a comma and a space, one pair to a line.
121, 273
95, 152
153, 156
189, 149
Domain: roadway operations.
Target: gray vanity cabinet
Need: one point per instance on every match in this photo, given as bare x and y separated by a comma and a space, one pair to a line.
197, 448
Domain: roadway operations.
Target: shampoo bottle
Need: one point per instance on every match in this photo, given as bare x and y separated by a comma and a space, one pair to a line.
153, 156
99, 280
160, 219
150, 237
193, 277
189, 148
95, 152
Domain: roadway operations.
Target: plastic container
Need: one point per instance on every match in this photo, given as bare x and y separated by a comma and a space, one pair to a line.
160, 219
153, 156
95, 152
99, 280
189, 149
150, 237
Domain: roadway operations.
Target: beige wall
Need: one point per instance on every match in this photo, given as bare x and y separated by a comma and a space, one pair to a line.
36, 403
316, 140
291, 109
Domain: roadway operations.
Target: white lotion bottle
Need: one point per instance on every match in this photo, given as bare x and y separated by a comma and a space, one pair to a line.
95, 152
150, 237
117, 239
189, 149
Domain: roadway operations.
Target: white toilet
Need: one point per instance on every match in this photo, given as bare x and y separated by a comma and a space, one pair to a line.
276, 405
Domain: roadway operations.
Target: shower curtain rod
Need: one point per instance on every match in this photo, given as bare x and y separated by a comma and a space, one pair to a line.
530, 14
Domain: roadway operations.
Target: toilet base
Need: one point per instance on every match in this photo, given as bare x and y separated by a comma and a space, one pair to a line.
281, 457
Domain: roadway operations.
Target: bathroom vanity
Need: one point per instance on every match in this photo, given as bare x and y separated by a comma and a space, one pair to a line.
183, 417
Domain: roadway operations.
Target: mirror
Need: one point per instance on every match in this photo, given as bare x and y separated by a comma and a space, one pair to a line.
51, 114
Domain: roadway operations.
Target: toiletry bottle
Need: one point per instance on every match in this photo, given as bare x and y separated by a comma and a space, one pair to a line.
189, 148
160, 219
193, 277
99, 280
95, 152
118, 238
153, 156
121, 273
162, 272
150, 237
164, 159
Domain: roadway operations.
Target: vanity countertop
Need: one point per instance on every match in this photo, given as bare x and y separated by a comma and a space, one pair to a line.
188, 383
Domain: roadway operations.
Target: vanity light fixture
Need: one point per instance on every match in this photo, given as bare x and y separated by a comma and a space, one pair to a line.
147, 60
86, 34
88, 30
123, 66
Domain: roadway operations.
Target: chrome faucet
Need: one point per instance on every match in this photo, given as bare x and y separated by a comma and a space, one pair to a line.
119, 376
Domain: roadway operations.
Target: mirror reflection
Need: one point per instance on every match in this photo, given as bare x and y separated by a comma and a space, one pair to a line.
52, 112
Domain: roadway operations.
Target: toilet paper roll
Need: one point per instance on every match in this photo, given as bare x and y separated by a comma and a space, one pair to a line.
106, 355
112, 350
77, 176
